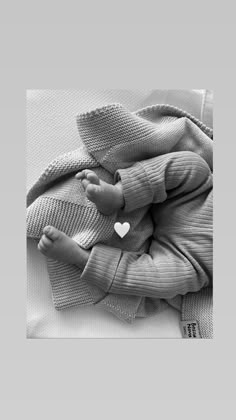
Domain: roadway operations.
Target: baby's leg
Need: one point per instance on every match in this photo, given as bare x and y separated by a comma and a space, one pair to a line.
57, 245
108, 198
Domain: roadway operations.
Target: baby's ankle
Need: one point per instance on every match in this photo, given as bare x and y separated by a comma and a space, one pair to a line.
120, 195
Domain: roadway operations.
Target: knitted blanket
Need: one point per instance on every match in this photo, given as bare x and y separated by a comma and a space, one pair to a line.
113, 138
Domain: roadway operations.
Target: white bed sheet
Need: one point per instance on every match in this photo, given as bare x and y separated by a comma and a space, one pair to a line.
51, 131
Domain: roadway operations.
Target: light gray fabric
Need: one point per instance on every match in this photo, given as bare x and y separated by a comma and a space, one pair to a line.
141, 127
199, 307
178, 186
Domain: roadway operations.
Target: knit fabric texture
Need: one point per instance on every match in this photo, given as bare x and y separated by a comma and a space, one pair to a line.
178, 185
113, 138
199, 307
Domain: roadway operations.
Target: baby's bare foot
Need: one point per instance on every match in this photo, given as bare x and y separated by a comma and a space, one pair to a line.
57, 245
108, 198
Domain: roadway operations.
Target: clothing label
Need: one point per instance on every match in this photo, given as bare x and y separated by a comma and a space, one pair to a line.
190, 329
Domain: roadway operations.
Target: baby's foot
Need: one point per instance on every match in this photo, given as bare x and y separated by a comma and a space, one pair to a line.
108, 198
57, 245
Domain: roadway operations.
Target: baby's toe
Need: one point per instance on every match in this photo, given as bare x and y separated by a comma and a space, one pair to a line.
51, 233
93, 178
85, 183
44, 244
81, 175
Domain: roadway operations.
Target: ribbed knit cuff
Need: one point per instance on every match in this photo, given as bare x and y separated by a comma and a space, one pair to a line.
101, 266
136, 187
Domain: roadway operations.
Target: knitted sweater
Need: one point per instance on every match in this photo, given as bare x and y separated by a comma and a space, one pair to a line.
114, 139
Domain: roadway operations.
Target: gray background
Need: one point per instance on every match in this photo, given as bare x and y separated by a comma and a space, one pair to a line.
115, 45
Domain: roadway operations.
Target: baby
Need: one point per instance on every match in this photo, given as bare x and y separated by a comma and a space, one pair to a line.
108, 199
178, 187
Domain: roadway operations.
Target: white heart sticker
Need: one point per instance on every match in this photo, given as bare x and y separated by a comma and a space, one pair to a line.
122, 229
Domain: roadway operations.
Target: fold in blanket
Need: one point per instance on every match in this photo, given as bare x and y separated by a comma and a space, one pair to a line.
113, 138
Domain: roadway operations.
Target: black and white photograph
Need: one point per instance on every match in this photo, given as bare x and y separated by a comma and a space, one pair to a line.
117, 268
119, 218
